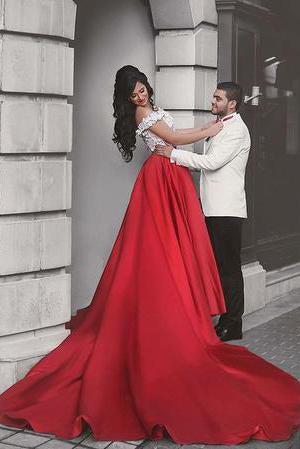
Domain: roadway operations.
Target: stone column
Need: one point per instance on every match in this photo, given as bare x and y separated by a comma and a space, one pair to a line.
36, 79
186, 59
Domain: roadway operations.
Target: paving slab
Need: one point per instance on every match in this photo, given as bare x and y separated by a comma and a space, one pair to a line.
120, 445
90, 442
57, 444
8, 446
27, 440
4, 433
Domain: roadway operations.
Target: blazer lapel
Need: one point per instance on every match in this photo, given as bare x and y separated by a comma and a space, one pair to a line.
210, 140
207, 144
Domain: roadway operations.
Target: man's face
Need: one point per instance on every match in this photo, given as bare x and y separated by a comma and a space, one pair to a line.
220, 105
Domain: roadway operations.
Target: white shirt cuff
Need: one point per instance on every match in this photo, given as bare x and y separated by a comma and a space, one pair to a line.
173, 156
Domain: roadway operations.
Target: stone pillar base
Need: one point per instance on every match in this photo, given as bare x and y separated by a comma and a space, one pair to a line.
282, 281
255, 286
18, 353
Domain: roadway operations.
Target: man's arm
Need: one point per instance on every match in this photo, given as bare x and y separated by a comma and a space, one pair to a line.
226, 150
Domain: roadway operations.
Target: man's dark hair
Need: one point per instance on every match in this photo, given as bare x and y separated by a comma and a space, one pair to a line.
233, 91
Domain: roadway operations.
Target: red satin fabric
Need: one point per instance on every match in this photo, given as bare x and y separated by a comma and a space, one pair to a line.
143, 359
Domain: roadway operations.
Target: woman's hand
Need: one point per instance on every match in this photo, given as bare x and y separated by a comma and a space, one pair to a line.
214, 129
209, 124
164, 150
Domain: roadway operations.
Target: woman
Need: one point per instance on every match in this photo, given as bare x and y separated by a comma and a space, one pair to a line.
144, 361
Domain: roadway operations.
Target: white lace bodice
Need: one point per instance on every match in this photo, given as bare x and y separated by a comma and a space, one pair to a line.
148, 136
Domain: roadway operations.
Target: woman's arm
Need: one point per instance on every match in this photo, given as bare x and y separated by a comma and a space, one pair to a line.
188, 130
162, 130
177, 137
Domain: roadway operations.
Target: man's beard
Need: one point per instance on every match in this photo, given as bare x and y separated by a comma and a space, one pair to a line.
220, 113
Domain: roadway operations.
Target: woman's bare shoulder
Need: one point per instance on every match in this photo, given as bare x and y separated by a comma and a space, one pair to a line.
141, 113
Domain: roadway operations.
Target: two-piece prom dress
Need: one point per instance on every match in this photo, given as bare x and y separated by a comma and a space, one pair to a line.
143, 360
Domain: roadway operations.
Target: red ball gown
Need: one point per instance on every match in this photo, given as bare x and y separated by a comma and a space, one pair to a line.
143, 360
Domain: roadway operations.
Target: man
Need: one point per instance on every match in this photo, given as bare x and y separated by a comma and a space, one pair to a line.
223, 198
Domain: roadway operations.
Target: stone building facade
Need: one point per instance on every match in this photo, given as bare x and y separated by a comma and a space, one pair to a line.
36, 129
35, 179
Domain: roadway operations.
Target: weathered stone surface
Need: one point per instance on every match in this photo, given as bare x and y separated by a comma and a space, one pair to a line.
206, 42
34, 303
172, 14
20, 186
255, 283
35, 126
91, 443
56, 243
194, 87
187, 48
24, 345
33, 245
19, 352
34, 308
28, 439
33, 186
31, 66
175, 48
282, 281
70, 9
180, 80
49, 17
56, 185
20, 127
295, 283
57, 127
58, 67
8, 373
205, 85
19, 247
191, 119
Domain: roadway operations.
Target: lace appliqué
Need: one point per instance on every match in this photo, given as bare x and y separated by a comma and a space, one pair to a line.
148, 136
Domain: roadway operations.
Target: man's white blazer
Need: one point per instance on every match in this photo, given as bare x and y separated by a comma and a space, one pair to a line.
223, 166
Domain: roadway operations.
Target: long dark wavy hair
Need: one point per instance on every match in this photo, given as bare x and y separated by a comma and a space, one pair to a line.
124, 110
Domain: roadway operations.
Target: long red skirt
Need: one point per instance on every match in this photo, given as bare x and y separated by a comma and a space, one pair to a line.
144, 360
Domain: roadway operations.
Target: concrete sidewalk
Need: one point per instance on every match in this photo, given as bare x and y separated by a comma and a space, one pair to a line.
273, 333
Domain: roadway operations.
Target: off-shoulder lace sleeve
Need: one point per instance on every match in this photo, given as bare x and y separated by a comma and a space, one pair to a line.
150, 120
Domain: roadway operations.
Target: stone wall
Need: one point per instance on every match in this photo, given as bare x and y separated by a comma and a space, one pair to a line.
36, 79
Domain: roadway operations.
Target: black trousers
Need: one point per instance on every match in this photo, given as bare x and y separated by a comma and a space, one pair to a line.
226, 238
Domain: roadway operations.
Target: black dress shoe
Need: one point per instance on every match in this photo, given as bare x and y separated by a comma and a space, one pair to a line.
218, 329
226, 334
